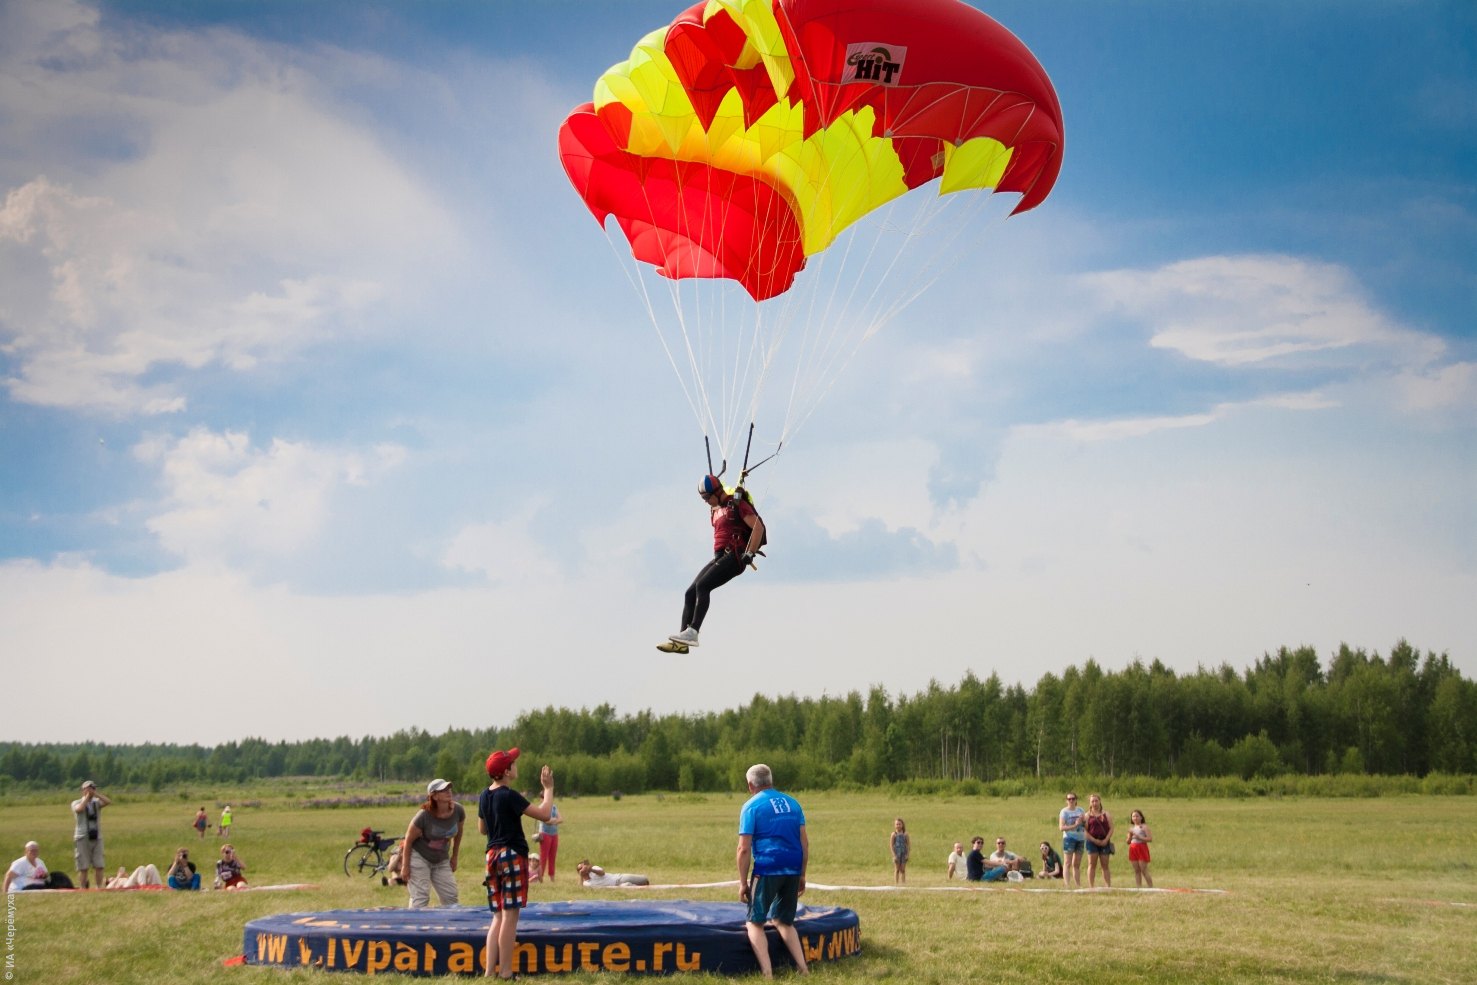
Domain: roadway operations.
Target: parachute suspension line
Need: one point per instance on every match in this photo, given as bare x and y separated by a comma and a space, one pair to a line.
831, 335
860, 291
631, 267
720, 376
692, 382
748, 446
730, 344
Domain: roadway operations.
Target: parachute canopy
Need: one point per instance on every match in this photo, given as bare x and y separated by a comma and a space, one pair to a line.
742, 138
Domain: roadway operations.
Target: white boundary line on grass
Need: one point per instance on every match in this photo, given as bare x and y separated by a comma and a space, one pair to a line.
1427, 902
829, 887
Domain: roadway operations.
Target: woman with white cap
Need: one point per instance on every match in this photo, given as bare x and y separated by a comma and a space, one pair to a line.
432, 844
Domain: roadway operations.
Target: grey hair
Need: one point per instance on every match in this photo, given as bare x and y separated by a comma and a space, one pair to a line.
31, 844
760, 776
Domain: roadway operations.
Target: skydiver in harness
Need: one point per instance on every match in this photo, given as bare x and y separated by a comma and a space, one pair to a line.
738, 535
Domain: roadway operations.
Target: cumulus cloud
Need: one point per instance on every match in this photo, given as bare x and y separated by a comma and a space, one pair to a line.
1442, 388
1239, 311
504, 552
217, 207
1122, 428
231, 502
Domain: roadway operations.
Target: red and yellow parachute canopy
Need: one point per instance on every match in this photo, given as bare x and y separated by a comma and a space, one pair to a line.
746, 135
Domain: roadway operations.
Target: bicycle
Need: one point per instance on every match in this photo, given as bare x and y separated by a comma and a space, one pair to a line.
370, 855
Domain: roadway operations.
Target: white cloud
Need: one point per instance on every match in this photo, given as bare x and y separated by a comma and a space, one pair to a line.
504, 552
222, 209
1442, 388
1118, 429
1263, 310
227, 501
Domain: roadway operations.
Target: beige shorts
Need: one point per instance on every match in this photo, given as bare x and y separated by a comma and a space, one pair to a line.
88, 853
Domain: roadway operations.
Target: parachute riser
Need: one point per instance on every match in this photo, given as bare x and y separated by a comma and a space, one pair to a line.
747, 469
748, 446
709, 449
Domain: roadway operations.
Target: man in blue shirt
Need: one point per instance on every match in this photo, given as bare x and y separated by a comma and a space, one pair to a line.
772, 835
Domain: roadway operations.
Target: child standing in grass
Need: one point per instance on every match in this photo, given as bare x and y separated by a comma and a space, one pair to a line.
500, 812
901, 847
1139, 837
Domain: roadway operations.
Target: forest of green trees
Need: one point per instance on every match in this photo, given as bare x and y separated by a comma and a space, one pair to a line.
1402, 714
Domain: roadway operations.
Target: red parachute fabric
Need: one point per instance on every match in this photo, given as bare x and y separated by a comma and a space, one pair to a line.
931, 73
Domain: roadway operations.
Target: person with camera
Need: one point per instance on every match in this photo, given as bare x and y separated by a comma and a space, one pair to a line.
182, 873
87, 840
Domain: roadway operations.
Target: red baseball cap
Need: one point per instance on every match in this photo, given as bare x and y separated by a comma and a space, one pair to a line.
499, 761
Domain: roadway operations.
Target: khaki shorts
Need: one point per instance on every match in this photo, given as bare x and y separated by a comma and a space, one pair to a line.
88, 853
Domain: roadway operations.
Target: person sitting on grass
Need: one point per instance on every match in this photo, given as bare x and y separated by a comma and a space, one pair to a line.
27, 872
230, 871
974, 862
182, 873
1007, 861
594, 877
955, 857
392, 876
980, 868
1051, 862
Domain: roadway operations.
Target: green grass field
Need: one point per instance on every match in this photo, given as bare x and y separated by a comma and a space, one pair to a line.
1379, 890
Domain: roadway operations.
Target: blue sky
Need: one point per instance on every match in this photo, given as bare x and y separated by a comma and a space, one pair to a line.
313, 369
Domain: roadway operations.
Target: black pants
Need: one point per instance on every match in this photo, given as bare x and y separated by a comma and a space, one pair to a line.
724, 568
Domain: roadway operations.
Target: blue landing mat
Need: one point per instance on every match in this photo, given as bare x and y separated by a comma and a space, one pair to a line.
643, 936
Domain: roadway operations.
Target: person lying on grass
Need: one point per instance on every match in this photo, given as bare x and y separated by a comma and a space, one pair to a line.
595, 877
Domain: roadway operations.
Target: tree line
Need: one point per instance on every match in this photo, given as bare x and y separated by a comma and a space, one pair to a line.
1401, 714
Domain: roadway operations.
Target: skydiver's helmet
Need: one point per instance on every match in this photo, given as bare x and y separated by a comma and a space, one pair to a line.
711, 485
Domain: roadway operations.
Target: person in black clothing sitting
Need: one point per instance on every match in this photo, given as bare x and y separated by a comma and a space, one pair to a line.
974, 862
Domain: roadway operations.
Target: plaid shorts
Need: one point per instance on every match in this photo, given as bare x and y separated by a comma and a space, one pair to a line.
507, 880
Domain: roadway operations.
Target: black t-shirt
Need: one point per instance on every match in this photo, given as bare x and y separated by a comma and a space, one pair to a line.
502, 808
974, 866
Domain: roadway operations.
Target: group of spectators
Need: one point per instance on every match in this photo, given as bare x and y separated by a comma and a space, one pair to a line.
1091, 832
1084, 831
31, 872
999, 865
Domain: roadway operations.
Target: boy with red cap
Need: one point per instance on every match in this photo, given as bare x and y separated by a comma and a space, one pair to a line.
500, 812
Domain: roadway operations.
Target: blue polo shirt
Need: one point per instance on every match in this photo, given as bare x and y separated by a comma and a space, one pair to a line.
774, 820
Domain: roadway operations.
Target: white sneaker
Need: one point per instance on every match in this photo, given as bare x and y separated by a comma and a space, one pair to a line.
688, 636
